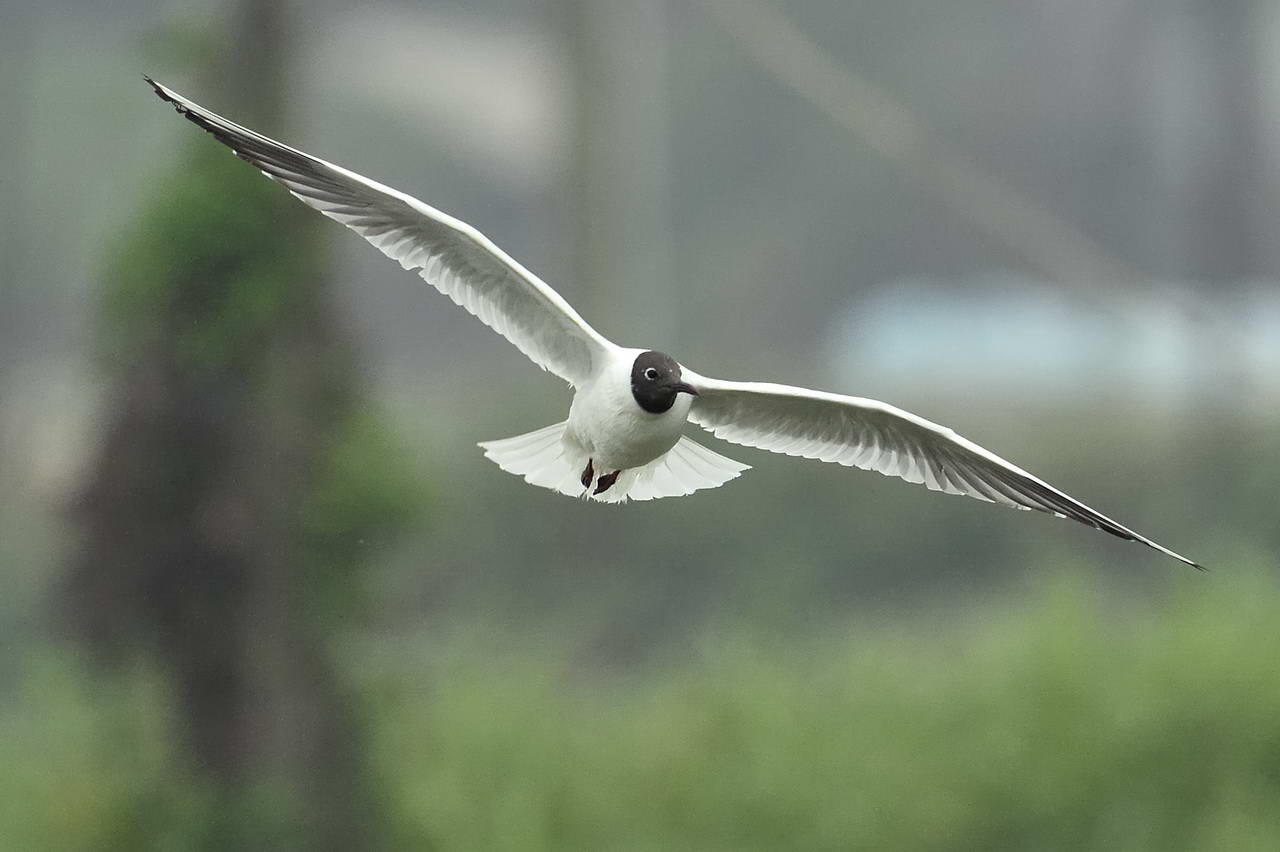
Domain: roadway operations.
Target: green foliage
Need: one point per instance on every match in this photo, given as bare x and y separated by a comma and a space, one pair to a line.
243, 488
1068, 723
90, 764
1064, 725
367, 488
210, 268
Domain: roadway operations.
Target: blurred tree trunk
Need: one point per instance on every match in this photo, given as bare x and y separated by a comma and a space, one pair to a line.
619, 160
224, 520
1227, 195
17, 69
1197, 72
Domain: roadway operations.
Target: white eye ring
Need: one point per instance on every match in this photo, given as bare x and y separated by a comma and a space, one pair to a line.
651, 374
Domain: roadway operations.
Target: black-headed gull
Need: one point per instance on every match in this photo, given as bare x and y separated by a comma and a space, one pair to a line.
623, 438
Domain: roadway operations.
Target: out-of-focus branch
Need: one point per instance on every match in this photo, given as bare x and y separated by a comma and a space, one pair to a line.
1044, 241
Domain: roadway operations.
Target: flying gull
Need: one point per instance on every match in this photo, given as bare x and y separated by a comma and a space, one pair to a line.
623, 438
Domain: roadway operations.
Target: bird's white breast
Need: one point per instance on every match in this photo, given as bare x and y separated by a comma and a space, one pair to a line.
610, 426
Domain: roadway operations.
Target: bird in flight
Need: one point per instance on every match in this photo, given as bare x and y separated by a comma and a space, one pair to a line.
623, 439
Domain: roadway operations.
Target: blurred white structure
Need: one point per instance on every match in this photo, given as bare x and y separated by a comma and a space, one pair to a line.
1026, 336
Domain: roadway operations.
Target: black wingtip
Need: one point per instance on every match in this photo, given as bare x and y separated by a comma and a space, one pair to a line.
160, 90
1195, 565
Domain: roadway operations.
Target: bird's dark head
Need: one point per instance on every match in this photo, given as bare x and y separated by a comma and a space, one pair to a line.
655, 381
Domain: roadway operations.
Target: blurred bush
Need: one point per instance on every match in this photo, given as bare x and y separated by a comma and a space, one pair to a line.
1070, 722
91, 763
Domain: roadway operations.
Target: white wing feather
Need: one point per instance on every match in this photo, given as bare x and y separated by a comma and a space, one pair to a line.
876, 436
452, 256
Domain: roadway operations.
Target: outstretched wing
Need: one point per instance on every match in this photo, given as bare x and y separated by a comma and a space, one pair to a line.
875, 436
450, 255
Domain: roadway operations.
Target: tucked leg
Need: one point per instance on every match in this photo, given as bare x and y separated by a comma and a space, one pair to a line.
605, 482
588, 474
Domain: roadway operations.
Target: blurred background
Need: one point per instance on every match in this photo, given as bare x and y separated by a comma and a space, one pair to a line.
262, 591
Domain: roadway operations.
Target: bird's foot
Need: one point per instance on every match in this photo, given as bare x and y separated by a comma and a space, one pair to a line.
588, 474
604, 483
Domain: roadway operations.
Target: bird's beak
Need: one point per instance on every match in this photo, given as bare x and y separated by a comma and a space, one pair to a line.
684, 387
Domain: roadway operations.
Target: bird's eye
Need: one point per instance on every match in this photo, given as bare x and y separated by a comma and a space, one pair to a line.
651, 374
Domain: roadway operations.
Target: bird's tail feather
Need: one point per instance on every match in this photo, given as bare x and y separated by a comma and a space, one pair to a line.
543, 458
685, 468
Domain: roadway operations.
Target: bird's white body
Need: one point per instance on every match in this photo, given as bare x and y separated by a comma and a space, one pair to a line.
615, 433
608, 434
619, 436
